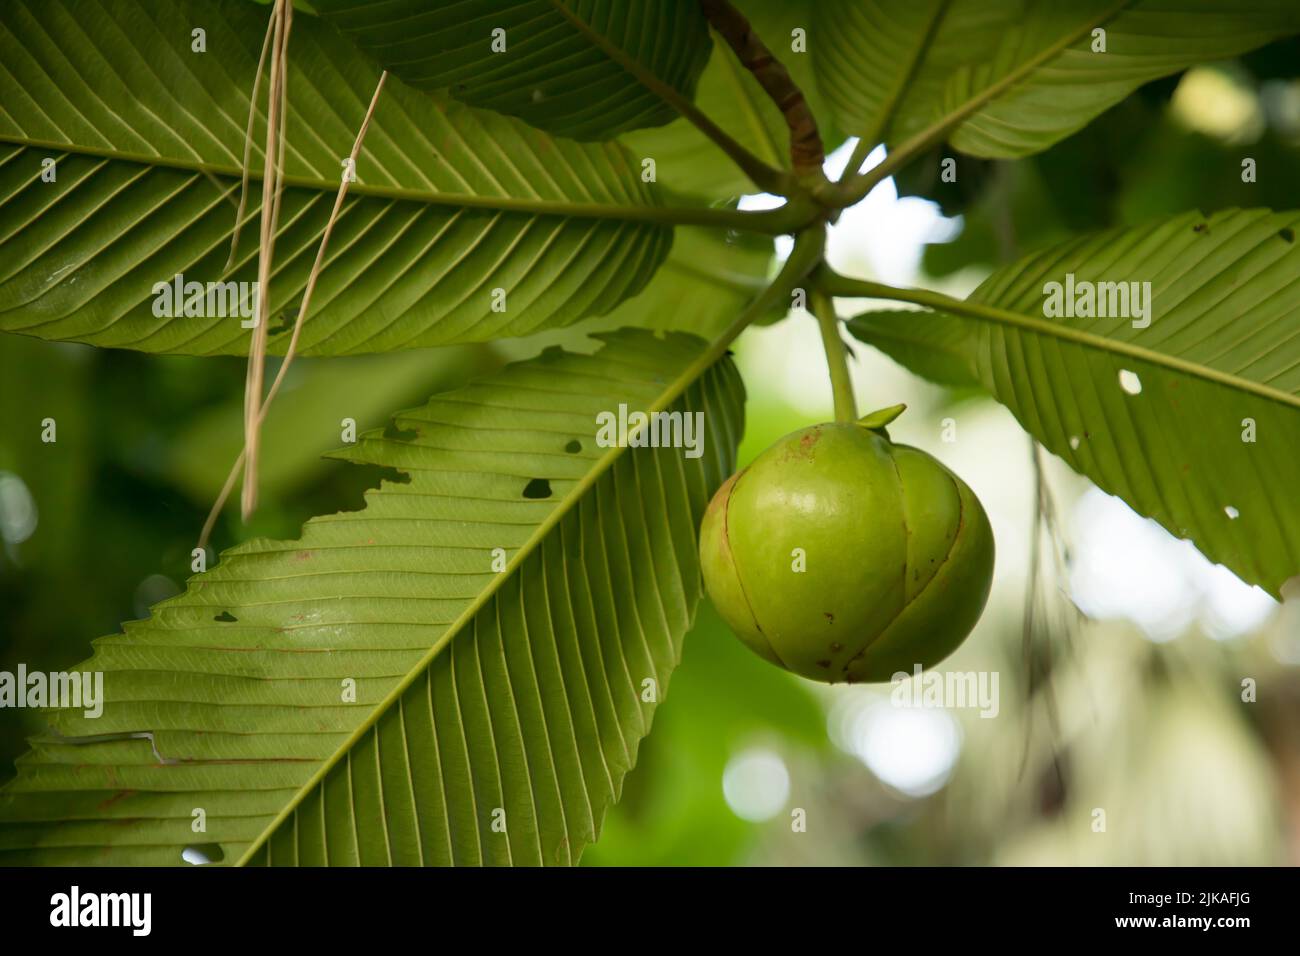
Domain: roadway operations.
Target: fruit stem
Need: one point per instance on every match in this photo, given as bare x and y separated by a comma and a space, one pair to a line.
836, 356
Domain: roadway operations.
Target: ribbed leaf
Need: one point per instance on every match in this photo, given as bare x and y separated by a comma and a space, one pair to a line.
451, 203
707, 279
1015, 78
705, 282
524, 691
539, 67
867, 54
1158, 415
937, 351
688, 162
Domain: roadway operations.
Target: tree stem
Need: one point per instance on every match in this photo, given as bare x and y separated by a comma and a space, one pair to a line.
846, 409
765, 177
806, 151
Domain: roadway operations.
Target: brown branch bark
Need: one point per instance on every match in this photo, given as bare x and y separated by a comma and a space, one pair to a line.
806, 151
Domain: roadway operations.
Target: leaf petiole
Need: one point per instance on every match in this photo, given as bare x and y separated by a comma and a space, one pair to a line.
836, 356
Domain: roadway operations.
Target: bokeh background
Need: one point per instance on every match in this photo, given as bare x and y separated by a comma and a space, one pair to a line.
1121, 652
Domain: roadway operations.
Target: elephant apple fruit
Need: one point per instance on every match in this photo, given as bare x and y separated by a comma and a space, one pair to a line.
842, 556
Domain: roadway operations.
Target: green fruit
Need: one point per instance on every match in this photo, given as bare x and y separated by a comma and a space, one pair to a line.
896, 554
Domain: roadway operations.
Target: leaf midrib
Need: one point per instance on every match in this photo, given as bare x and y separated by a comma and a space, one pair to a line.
1016, 76
942, 303
358, 188
946, 124
761, 223
905, 82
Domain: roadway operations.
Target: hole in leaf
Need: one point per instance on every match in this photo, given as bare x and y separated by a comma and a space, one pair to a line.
285, 323
203, 854
537, 488
573, 447
1130, 382
225, 617
399, 434
1074, 442
390, 475
1231, 512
